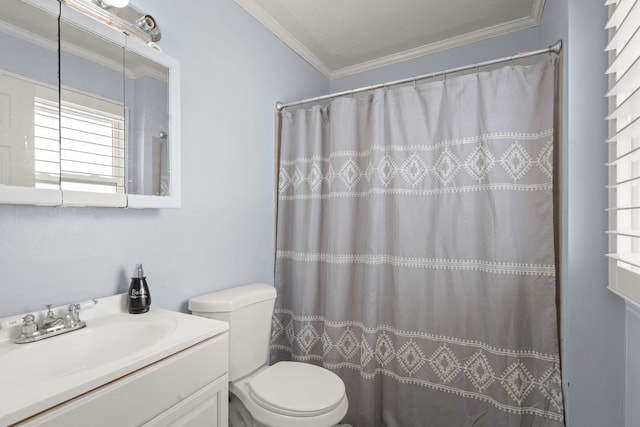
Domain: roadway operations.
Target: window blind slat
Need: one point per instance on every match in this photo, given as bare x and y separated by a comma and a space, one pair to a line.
92, 142
616, 184
622, 208
625, 30
632, 130
88, 158
625, 157
625, 57
627, 83
621, 12
629, 107
631, 259
92, 147
629, 233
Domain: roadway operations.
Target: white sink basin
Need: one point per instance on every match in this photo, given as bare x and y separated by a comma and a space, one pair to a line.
114, 343
104, 341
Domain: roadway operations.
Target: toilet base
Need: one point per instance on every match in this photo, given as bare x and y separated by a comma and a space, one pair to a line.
239, 415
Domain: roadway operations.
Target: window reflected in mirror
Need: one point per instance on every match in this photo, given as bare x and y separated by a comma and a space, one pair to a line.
92, 118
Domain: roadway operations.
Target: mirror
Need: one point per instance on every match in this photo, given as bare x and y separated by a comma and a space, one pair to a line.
92, 117
147, 91
28, 73
104, 134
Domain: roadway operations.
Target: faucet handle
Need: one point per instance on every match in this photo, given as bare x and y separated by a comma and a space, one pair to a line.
29, 325
50, 319
72, 318
83, 305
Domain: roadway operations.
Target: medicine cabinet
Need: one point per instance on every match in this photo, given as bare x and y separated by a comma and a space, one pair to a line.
89, 116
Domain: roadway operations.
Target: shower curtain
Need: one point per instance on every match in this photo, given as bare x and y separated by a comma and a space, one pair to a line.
415, 250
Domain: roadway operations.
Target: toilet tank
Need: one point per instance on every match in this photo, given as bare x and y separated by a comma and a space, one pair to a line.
248, 310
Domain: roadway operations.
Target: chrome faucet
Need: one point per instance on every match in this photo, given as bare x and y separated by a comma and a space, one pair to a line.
51, 321
52, 324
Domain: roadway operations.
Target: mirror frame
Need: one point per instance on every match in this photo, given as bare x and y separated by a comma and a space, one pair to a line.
36, 196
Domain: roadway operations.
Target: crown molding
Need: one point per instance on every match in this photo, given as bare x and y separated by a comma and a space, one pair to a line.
28, 36
475, 36
254, 9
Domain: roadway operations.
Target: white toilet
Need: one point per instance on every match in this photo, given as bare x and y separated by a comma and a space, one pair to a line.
287, 394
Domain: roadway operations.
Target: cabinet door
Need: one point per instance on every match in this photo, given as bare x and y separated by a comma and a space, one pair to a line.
207, 407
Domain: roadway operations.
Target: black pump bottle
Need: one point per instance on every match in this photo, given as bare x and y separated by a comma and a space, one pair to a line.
139, 298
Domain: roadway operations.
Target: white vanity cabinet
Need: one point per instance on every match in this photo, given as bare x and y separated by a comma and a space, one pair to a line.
188, 388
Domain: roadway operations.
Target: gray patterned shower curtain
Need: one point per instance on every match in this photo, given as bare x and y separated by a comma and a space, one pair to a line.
415, 250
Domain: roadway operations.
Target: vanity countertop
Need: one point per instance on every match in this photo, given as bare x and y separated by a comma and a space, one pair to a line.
37, 376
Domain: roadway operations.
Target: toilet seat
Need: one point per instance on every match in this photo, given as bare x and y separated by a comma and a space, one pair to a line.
268, 414
297, 389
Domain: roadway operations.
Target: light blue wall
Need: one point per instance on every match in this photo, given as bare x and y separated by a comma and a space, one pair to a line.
632, 375
593, 318
33, 61
233, 72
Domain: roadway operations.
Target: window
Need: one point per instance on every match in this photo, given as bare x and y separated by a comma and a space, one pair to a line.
88, 164
91, 154
624, 148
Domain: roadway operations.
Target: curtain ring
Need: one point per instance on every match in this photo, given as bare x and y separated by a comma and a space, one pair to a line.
414, 82
512, 63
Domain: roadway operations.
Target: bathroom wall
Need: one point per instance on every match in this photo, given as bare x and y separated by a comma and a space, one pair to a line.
632, 374
593, 323
43, 67
233, 72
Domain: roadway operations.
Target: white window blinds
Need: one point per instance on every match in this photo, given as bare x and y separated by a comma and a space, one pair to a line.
87, 163
624, 148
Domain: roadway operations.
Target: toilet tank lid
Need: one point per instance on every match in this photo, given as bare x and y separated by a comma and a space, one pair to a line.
232, 298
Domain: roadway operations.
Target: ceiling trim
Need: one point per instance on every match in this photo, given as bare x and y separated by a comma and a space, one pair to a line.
475, 36
286, 37
272, 25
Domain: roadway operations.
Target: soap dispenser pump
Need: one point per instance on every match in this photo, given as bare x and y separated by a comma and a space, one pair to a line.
138, 298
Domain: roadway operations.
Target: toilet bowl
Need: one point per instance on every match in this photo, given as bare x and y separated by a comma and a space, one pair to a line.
291, 394
286, 394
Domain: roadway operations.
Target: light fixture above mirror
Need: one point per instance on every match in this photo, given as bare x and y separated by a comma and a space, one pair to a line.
115, 3
122, 15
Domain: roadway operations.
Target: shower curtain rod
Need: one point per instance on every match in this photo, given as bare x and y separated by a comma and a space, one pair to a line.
555, 48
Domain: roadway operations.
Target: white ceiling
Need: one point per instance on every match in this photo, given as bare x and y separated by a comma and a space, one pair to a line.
343, 37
